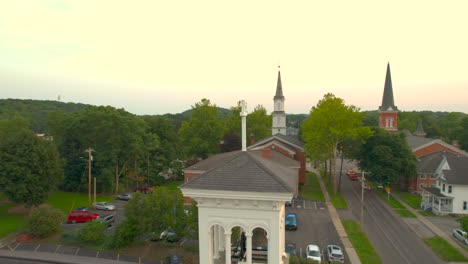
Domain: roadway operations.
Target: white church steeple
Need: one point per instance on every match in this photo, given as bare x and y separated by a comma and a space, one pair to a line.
279, 116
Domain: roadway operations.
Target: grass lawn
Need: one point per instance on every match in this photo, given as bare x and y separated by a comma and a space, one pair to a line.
337, 199
446, 251
11, 222
311, 190
67, 201
413, 200
360, 242
393, 203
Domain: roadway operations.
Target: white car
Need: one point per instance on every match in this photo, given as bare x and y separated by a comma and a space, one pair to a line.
335, 254
460, 235
105, 206
313, 252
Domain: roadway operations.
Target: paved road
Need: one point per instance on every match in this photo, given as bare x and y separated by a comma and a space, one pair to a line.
22, 261
314, 226
391, 237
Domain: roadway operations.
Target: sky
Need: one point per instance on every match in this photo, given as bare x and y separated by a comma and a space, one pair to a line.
155, 57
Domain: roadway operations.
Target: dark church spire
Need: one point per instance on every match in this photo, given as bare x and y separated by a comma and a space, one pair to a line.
420, 130
387, 101
279, 87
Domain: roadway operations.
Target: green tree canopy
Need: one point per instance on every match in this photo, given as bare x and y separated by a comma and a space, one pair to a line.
30, 167
258, 124
386, 157
201, 136
331, 122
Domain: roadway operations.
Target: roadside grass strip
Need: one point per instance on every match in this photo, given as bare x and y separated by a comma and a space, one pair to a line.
68, 201
444, 250
337, 199
363, 247
311, 190
11, 222
413, 200
395, 204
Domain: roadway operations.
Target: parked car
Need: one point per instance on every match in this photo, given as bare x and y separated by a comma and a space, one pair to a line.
105, 206
335, 254
109, 219
144, 189
81, 217
169, 235
366, 186
291, 249
174, 259
291, 222
460, 235
125, 196
288, 203
81, 209
313, 252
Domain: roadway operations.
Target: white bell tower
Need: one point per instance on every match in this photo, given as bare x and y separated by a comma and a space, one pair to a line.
279, 116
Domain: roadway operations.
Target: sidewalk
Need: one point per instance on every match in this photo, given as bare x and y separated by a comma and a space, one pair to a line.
348, 247
432, 227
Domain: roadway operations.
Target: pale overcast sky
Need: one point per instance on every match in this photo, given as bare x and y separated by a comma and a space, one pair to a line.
156, 57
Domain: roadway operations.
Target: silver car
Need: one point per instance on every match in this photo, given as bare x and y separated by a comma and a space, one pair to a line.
125, 196
105, 206
460, 235
335, 254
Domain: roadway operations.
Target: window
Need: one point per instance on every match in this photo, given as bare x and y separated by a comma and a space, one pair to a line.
443, 187
433, 185
423, 176
464, 205
433, 176
423, 185
438, 183
450, 189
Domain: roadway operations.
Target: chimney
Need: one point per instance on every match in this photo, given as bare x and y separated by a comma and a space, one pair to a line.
243, 114
266, 153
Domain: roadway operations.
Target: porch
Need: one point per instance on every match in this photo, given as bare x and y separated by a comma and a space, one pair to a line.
435, 201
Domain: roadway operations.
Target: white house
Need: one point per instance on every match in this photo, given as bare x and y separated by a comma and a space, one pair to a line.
450, 194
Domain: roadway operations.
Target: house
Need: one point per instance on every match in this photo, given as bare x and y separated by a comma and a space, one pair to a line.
450, 193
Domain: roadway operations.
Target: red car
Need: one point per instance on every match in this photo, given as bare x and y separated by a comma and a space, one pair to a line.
81, 217
144, 189
367, 186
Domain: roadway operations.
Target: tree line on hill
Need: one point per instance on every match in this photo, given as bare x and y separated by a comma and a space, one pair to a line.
130, 150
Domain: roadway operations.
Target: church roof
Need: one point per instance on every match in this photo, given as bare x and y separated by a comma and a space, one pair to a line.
291, 140
242, 172
279, 88
428, 164
388, 103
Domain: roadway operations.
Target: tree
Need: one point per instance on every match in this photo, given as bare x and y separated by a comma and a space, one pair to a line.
386, 157
31, 167
331, 122
258, 123
201, 135
463, 133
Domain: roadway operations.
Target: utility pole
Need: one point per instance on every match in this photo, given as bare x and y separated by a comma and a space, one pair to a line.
362, 200
90, 158
341, 168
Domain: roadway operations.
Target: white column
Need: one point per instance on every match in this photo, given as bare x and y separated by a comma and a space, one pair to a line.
210, 246
227, 237
248, 246
216, 241
221, 240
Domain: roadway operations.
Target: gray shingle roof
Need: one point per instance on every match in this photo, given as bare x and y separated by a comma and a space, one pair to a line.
243, 173
415, 142
213, 161
458, 173
428, 164
292, 140
387, 99
436, 192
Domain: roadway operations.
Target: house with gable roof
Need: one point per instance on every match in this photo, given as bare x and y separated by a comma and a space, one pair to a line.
450, 193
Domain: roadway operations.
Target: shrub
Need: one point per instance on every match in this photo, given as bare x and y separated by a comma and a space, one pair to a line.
45, 221
92, 232
464, 223
125, 234
298, 260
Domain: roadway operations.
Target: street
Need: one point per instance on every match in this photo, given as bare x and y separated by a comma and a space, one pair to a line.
392, 238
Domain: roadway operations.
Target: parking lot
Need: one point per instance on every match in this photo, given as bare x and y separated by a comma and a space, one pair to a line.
314, 227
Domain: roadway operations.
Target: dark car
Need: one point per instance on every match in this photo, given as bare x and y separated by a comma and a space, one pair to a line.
291, 222
174, 259
81, 217
291, 249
